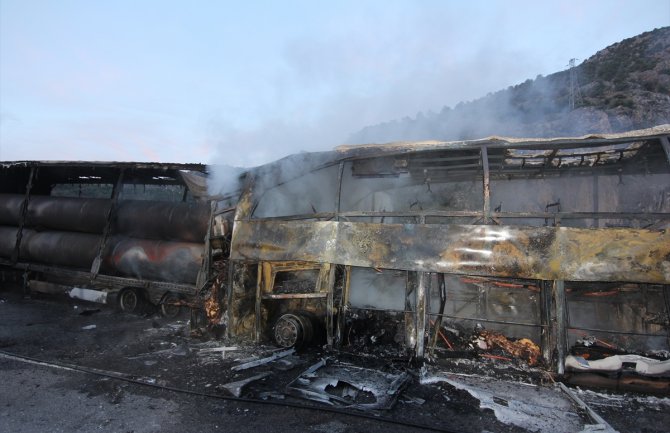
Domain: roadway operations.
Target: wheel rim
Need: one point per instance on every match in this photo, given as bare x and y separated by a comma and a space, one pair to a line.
288, 331
128, 300
168, 309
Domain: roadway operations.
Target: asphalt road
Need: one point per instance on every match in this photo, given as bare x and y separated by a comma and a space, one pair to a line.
38, 397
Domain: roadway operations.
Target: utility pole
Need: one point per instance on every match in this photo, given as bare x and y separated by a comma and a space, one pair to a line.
575, 94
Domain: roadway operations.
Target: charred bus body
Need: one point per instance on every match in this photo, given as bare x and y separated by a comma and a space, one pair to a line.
136, 231
542, 241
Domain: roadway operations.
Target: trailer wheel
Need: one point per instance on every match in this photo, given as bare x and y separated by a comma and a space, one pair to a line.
129, 300
168, 307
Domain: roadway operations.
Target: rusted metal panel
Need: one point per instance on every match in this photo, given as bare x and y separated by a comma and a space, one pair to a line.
546, 253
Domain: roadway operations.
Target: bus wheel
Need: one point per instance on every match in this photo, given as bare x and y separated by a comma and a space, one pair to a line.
129, 300
168, 305
293, 330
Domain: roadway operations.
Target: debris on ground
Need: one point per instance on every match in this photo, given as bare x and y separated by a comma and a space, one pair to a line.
236, 388
348, 385
257, 362
523, 348
535, 408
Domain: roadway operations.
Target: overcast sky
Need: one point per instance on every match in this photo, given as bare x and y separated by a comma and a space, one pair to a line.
244, 83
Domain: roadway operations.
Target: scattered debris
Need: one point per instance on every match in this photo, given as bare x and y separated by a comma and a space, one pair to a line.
412, 400
236, 388
524, 348
287, 363
213, 350
257, 362
600, 423
631, 363
348, 385
178, 350
269, 394
88, 295
516, 403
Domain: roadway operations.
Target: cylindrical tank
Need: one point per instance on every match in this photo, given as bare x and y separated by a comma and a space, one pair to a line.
10, 209
177, 262
87, 215
162, 220
60, 248
157, 220
76, 250
153, 260
7, 241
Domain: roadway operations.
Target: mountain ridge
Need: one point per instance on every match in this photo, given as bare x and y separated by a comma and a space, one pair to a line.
622, 87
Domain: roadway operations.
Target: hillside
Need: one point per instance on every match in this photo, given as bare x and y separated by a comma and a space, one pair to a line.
622, 87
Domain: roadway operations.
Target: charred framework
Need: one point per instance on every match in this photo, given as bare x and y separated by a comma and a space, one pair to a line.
521, 230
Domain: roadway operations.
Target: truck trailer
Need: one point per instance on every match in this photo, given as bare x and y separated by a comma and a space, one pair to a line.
131, 234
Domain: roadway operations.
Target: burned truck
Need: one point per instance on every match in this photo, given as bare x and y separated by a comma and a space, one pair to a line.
544, 244
134, 234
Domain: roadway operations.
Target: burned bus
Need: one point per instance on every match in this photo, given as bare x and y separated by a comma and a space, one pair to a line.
541, 244
134, 234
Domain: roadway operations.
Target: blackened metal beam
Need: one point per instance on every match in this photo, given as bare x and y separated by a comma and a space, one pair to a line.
330, 286
443, 302
24, 211
423, 285
561, 325
487, 185
460, 214
410, 321
318, 295
95, 267
614, 332
338, 198
666, 297
666, 147
481, 319
257, 310
343, 307
546, 333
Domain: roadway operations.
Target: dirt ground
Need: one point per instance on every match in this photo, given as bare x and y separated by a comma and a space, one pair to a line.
72, 366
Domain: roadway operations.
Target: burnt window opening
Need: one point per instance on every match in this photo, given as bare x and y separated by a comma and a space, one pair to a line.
153, 192
297, 281
378, 289
82, 190
617, 318
572, 157
509, 306
311, 193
